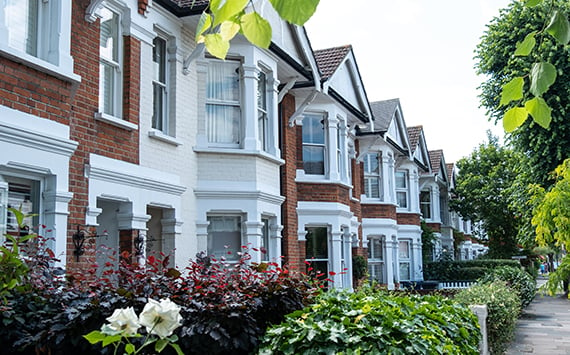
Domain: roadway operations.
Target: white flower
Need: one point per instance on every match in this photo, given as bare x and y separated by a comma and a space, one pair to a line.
123, 321
161, 318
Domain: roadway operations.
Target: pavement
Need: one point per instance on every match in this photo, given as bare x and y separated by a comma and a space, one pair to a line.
544, 327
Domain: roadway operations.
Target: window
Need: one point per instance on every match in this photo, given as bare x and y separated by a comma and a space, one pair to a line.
372, 176
262, 118
314, 144
339, 143
224, 237
110, 64
402, 189
223, 112
317, 250
425, 203
160, 85
23, 195
376, 259
22, 19
265, 240
404, 254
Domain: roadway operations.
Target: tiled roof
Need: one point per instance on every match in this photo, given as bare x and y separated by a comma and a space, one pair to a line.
449, 168
435, 157
383, 112
414, 136
329, 59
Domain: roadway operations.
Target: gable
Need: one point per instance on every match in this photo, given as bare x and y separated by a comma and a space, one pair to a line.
421, 152
397, 130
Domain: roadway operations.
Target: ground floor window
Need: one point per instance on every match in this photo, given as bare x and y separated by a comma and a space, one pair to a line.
23, 195
224, 237
317, 251
376, 260
404, 256
265, 258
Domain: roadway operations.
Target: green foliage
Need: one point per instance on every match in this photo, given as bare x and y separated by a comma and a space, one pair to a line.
503, 306
533, 81
373, 322
223, 20
516, 279
359, 267
464, 270
428, 242
483, 194
559, 278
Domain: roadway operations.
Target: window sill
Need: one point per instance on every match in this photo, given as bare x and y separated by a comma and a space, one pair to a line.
64, 73
115, 121
238, 151
158, 135
319, 179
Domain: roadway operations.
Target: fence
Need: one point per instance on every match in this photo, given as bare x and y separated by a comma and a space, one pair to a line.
442, 285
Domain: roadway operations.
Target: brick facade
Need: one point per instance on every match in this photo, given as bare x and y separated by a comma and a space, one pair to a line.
436, 227
411, 219
379, 211
316, 192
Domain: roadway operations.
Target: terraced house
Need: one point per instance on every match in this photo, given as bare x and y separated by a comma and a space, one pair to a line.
118, 132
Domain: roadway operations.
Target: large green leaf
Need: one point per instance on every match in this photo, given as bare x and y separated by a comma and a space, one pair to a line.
514, 118
95, 336
512, 91
295, 11
525, 47
227, 10
256, 29
559, 27
216, 45
228, 30
542, 76
204, 24
540, 111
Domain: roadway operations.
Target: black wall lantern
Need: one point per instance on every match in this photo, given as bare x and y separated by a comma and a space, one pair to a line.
79, 239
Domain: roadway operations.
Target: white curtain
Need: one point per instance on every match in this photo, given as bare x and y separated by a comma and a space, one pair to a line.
223, 106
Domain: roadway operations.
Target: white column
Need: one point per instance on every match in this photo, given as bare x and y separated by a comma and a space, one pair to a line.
391, 261
202, 236
249, 108
335, 253
273, 115
388, 188
253, 234
347, 249
417, 274
436, 208
275, 238
332, 146
414, 190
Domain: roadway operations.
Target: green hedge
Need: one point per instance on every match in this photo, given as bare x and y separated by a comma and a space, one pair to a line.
517, 279
466, 270
503, 311
376, 322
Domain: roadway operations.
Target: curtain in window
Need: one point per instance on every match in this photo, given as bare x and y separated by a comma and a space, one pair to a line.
223, 107
21, 18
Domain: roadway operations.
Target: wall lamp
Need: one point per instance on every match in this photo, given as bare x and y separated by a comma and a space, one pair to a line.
79, 239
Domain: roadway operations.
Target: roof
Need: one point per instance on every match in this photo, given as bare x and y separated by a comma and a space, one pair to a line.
329, 59
449, 168
383, 112
435, 157
190, 3
414, 136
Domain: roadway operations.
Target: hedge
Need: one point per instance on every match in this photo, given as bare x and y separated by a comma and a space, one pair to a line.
465, 270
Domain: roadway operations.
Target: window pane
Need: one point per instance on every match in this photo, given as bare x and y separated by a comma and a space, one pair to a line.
402, 199
313, 129
317, 243
404, 249
109, 35
405, 271
314, 160
261, 91
425, 204
23, 195
265, 240
159, 98
223, 81
21, 19
159, 59
224, 237
223, 123
377, 249
372, 187
376, 272
401, 182
107, 87
371, 164
262, 129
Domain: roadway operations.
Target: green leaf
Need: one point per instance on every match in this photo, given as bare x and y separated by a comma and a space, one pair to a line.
228, 30
295, 11
514, 118
540, 111
559, 27
95, 336
129, 348
227, 11
256, 29
525, 47
532, 3
177, 349
110, 339
204, 24
160, 345
512, 91
542, 76
216, 45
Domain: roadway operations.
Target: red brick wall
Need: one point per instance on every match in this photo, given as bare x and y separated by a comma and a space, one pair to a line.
379, 211
409, 219
323, 193
293, 250
436, 227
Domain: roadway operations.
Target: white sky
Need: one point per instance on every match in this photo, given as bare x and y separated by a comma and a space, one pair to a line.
420, 51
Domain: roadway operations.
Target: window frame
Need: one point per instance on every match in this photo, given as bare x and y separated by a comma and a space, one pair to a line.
233, 257
263, 110
116, 98
377, 262
426, 204
402, 190
370, 175
405, 260
312, 144
161, 123
310, 260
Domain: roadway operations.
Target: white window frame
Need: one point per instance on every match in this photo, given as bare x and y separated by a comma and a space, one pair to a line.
326, 260
405, 259
403, 190
426, 204
160, 118
323, 145
377, 262
370, 175
116, 99
265, 240
53, 40
262, 103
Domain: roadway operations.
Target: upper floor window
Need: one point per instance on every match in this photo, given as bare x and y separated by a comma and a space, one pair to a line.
110, 64
425, 204
314, 144
223, 112
160, 85
262, 118
402, 189
22, 18
372, 176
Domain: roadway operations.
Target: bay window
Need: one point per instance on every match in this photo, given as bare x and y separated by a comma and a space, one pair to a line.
314, 144
402, 189
223, 111
110, 64
372, 176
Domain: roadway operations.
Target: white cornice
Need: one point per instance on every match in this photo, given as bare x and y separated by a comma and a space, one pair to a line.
239, 195
37, 140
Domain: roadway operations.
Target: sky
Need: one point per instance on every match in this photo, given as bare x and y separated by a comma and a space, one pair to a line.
420, 51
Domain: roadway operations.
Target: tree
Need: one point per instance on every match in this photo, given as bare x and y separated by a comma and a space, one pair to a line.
482, 191
551, 217
224, 19
511, 86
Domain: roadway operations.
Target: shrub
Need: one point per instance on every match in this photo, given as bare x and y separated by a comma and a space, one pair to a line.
517, 279
503, 311
453, 270
374, 322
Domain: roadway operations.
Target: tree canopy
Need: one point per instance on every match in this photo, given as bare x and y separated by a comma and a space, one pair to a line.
482, 191
496, 59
